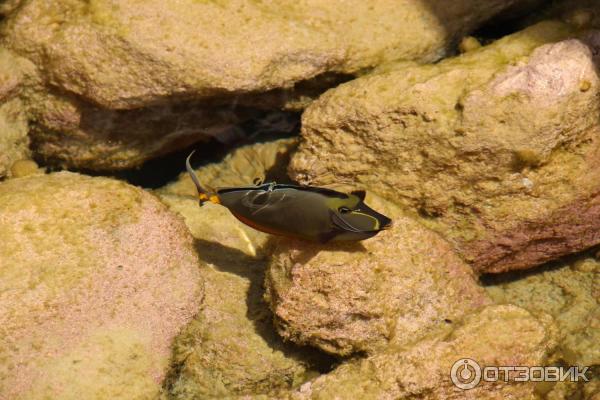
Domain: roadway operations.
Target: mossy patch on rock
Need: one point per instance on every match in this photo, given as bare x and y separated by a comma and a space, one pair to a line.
571, 294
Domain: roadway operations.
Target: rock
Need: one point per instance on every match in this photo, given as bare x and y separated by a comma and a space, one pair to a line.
96, 279
71, 133
8, 6
571, 294
14, 143
231, 348
497, 335
360, 297
137, 53
22, 168
13, 121
495, 149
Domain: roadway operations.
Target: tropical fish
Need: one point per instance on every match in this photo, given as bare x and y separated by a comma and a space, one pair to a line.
304, 212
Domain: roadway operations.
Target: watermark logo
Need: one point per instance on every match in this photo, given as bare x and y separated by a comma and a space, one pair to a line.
466, 374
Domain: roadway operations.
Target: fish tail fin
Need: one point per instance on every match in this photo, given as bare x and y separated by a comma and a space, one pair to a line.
203, 195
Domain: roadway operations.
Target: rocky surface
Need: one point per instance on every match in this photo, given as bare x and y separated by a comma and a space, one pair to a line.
96, 279
139, 53
152, 79
13, 120
571, 294
359, 297
495, 149
497, 335
231, 347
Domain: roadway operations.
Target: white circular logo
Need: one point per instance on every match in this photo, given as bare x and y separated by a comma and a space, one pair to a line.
465, 373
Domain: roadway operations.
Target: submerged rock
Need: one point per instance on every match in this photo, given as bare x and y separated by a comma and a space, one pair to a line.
361, 297
138, 53
571, 294
13, 119
495, 149
96, 279
497, 335
152, 79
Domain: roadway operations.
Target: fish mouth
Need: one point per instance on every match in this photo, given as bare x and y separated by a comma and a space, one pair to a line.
387, 225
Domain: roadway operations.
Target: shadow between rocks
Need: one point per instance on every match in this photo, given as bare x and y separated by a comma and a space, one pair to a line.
234, 261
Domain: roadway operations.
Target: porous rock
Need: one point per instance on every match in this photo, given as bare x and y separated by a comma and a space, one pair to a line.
13, 120
495, 149
137, 53
96, 279
496, 335
346, 298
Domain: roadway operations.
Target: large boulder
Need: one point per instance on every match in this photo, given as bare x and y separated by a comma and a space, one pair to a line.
497, 335
96, 279
362, 297
496, 149
137, 53
155, 77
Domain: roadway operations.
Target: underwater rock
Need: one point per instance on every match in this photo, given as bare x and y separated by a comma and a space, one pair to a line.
496, 149
571, 294
8, 6
497, 335
13, 121
140, 53
346, 298
231, 347
96, 279
68, 132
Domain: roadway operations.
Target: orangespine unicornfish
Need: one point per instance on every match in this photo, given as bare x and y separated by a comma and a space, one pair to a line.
304, 212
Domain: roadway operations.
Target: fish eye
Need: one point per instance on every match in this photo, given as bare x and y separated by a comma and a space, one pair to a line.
344, 210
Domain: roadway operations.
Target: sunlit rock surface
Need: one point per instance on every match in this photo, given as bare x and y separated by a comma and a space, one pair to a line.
154, 77
496, 149
360, 297
571, 294
497, 335
96, 279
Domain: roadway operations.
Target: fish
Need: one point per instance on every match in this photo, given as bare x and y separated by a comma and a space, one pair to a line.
298, 211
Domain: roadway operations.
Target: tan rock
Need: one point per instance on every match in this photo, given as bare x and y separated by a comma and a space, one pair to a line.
68, 132
498, 335
96, 279
13, 120
571, 294
495, 149
359, 297
137, 53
